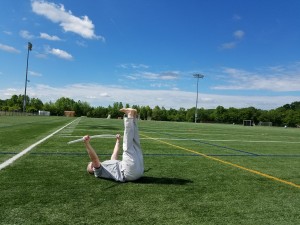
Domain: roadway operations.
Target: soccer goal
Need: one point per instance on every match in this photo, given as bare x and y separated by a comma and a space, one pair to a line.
44, 113
269, 124
247, 122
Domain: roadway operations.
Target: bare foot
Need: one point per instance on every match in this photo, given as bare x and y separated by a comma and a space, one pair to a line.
131, 113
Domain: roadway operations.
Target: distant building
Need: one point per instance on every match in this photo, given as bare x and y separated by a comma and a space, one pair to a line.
69, 113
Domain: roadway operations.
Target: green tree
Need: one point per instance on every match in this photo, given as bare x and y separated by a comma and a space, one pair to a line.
143, 113
114, 111
35, 105
181, 115
203, 115
233, 115
64, 104
81, 108
291, 118
275, 116
157, 113
249, 113
190, 115
98, 112
219, 114
51, 107
15, 103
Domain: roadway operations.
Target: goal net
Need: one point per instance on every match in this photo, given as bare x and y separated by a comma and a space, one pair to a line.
247, 122
265, 124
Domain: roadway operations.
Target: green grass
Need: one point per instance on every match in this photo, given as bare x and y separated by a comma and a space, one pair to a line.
17, 133
188, 178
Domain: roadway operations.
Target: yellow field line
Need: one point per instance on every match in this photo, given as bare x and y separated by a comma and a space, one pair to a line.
227, 163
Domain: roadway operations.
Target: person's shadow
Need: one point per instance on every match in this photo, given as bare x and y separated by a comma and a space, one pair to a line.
162, 180
155, 180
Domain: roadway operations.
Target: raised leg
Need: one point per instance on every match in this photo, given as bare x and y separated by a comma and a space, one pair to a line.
132, 161
115, 153
130, 126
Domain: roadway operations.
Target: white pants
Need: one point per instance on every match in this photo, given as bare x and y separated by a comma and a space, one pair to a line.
132, 164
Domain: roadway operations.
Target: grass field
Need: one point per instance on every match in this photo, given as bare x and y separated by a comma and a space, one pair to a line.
194, 174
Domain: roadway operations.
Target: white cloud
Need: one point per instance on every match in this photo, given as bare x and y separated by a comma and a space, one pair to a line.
100, 95
26, 34
104, 94
7, 93
239, 34
133, 66
162, 85
60, 53
166, 75
131, 77
41, 55
35, 74
150, 75
48, 37
275, 78
228, 45
56, 13
8, 48
81, 43
169, 75
7, 32
236, 17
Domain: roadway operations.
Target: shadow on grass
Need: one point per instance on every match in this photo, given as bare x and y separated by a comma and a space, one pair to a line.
162, 180
154, 180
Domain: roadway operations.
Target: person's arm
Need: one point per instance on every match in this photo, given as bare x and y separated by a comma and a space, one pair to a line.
92, 154
115, 154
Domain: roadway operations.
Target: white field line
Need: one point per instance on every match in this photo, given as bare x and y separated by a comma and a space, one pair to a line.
197, 139
14, 158
194, 139
204, 134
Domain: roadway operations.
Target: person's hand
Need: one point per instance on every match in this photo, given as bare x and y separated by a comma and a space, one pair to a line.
118, 137
86, 139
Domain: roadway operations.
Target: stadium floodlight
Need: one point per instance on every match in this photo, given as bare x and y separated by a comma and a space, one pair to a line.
198, 75
26, 80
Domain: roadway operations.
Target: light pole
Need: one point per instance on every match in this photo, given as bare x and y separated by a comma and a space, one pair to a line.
26, 80
198, 75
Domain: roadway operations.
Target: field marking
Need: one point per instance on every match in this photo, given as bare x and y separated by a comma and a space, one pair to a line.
229, 140
228, 163
154, 154
198, 139
23, 152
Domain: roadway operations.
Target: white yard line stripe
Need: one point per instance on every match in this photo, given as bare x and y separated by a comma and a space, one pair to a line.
14, 158
197, 139
249, 141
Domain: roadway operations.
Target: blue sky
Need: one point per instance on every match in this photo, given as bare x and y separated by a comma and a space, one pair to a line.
145, 52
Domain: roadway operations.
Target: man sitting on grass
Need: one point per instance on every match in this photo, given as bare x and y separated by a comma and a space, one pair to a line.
131, 167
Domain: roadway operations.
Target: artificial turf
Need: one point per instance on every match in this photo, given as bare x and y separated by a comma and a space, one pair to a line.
194, 174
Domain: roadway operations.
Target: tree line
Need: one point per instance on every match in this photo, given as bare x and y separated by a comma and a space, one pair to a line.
286, 115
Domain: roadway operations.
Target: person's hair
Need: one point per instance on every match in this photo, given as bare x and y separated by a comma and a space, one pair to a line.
89, 168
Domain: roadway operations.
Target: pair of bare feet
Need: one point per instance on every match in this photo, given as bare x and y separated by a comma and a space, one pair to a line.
130, 112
